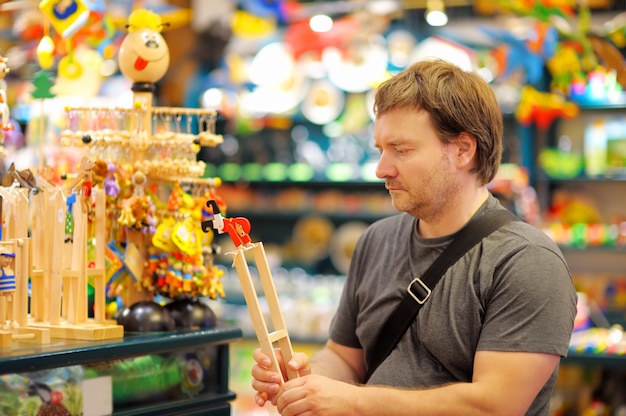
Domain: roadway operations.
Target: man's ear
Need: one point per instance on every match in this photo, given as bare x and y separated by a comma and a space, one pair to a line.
466, 144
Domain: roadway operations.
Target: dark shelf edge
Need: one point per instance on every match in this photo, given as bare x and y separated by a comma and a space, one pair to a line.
131, 345
178, 405
608, 361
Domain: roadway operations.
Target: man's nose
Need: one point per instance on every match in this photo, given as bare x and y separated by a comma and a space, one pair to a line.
384, 168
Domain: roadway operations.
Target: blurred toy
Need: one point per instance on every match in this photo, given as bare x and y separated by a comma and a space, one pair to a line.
564, 67
519, 55
573, 208
610, 56
541, 10
560, 164
22, 179
85, 180
50, 399
66, 16
543, 108
144, 55
43, 392
4, 106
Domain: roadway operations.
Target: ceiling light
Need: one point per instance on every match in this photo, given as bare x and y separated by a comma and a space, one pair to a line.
321, 23
436, 13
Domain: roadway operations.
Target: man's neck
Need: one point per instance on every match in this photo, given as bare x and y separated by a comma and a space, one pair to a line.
456, 215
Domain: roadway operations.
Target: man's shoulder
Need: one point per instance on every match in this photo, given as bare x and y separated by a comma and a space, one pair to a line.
518, 235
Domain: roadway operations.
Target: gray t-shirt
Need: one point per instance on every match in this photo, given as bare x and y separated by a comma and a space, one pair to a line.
511, 292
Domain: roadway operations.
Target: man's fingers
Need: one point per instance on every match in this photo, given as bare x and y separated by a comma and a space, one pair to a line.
261, 358
260, 399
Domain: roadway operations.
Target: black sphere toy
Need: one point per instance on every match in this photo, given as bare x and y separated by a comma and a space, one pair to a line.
86, 139
190, 313
146, 316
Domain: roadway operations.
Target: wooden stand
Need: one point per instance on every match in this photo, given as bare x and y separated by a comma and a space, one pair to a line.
279, 335
39, 336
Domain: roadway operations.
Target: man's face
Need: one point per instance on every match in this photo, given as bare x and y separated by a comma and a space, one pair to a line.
418, 170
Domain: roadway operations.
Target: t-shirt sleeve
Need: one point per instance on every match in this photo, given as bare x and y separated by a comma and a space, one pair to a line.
343, 325
532, 304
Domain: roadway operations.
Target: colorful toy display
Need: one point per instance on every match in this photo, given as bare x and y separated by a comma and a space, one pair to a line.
145, 159
92, 231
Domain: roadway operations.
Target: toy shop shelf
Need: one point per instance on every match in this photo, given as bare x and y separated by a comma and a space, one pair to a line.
289, 216
211, 405
65, 352
591, 249
590, 359
584, 179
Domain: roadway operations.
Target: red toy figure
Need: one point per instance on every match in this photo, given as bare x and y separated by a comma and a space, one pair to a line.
238, 228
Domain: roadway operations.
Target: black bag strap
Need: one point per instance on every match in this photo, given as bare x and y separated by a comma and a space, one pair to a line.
419, 289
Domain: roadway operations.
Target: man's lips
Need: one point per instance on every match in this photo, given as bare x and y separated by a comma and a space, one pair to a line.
393, 187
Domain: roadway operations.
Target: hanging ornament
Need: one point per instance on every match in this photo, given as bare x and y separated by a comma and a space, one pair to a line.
66, 16
45, 52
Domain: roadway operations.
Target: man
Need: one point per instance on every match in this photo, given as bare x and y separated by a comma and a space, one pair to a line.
490, 337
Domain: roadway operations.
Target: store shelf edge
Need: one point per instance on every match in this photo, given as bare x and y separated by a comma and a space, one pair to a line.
61, 353
212, 405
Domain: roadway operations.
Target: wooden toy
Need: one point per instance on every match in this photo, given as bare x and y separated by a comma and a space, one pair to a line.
47, 233
7, 287
15, 228
238, 229
14, 272
59, 269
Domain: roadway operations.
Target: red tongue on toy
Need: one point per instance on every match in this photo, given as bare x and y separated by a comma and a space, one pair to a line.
140, 63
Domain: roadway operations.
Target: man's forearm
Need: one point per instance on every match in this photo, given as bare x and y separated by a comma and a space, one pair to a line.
326, 363
453, 399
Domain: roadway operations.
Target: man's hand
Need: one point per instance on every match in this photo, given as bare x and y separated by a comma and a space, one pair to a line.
317, 395
267, 382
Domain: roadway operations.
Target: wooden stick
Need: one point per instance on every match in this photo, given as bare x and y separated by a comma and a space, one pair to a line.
279, 334
98, 273
56, 216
